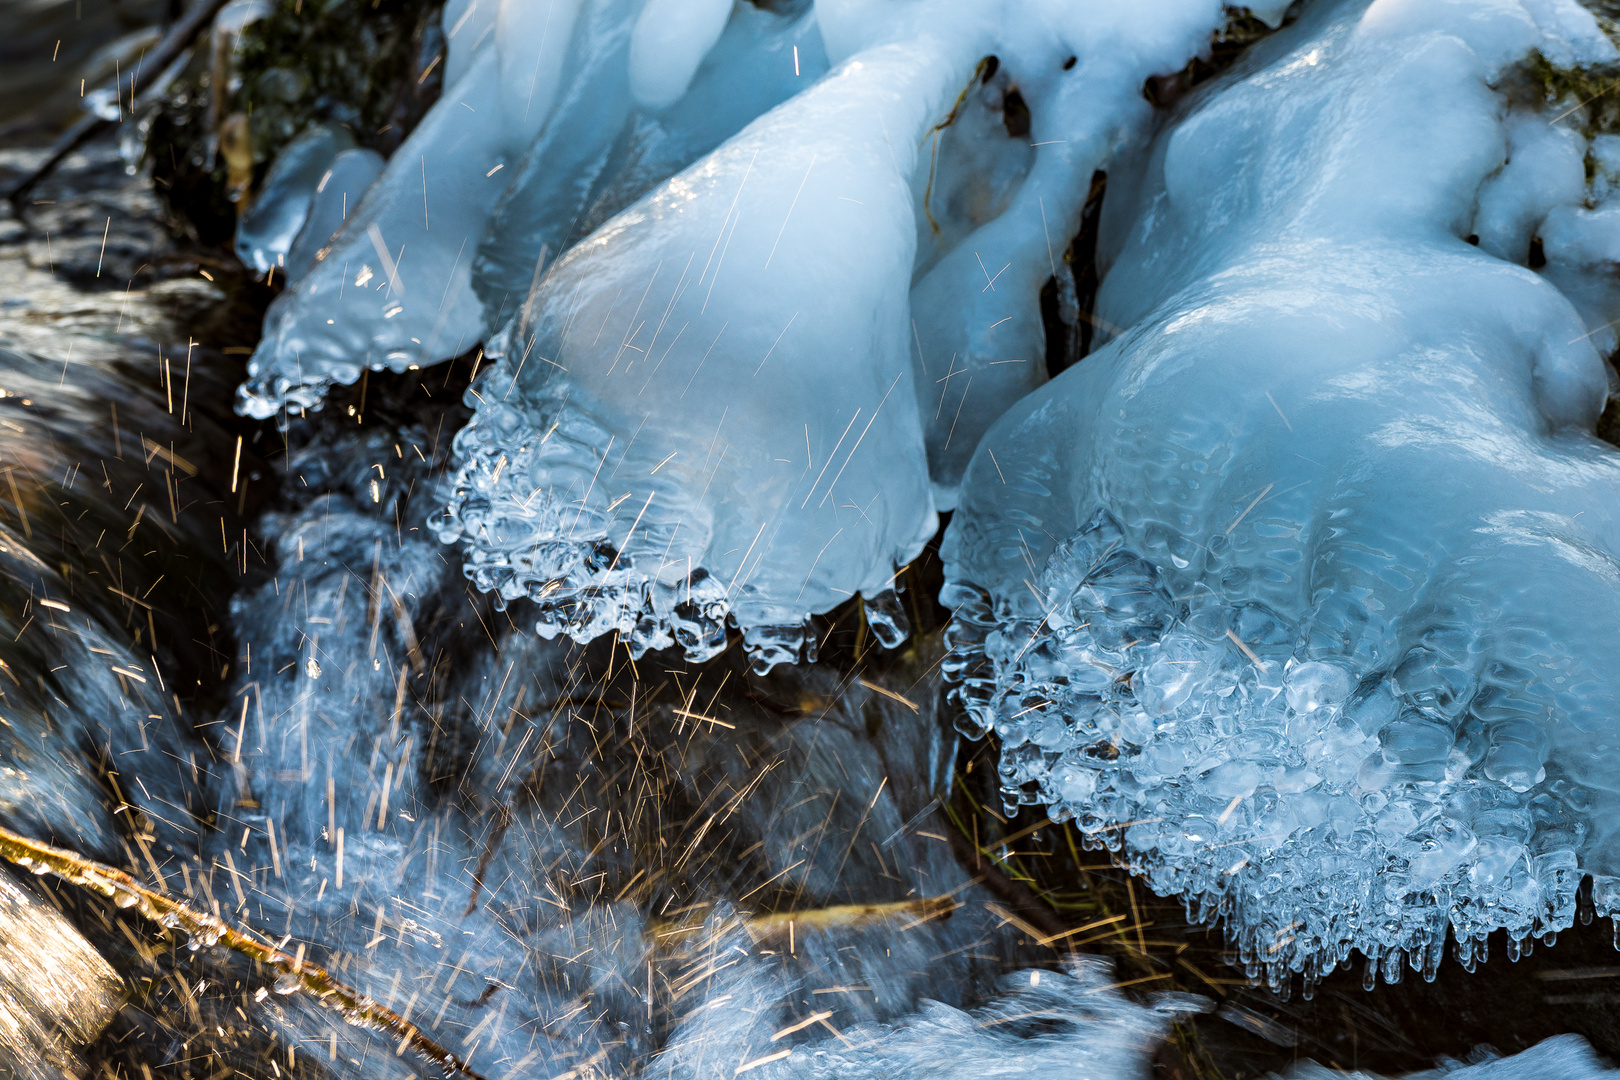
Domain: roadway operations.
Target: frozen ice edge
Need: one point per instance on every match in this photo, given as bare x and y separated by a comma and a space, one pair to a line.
1145, 651
560, 556
1219, 720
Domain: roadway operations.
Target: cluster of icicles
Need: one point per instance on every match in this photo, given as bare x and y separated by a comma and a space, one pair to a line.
1297, 594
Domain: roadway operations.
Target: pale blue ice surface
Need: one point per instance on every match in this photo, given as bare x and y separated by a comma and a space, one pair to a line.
1263, 592
1298, 595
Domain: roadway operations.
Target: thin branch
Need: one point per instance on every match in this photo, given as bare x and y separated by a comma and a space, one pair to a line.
178, 39
126, 892
782, 927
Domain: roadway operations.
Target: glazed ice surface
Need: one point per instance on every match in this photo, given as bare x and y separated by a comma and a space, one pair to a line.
657, 448
1301, 593
724, 404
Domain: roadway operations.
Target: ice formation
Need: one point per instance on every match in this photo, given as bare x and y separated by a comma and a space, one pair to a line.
1257, 592
675, 437
339, 190
601, 152
1299, 594
634, 466
393, 290
266, 230
920, 191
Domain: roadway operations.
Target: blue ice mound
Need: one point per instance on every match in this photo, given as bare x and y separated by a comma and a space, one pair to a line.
1299, 596
709, 411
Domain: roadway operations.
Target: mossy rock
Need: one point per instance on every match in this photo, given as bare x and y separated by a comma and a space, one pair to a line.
374, 66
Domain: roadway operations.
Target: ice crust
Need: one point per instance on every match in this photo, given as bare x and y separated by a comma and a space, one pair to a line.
1298, 596
891, 185
764, 458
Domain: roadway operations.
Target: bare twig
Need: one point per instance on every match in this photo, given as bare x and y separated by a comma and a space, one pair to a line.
176, 41
296, 974
782, 927
774, 927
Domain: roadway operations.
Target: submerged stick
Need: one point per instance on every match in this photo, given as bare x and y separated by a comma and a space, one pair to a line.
775, 926
781, 927
296, 974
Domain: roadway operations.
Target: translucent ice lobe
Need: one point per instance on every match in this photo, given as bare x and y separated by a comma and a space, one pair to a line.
1263, 592
670, 41
266, 230
705, 407
394, 290
597, 156
980, 337
467, 25
338, 192
538, 213
531, 42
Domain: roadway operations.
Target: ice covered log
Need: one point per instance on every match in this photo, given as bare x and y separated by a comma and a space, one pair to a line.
1299, 596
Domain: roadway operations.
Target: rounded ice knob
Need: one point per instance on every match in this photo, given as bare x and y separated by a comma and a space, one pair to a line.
1313, 684
670, 40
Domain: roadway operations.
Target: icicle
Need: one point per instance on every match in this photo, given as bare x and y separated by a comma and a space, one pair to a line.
1392, 965
1433, 955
